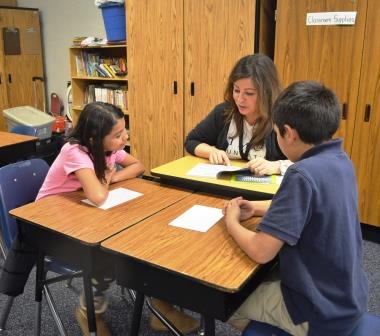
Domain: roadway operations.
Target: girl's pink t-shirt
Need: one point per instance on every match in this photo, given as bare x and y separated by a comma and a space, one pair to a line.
61, 177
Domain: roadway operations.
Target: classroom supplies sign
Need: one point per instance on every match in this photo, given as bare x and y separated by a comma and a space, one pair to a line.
330, 18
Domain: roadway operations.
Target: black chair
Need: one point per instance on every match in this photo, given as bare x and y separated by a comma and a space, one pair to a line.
19, 185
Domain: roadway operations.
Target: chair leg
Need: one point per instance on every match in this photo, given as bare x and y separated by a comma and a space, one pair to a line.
157, 313
162, 318
2, 248
53, 310
5, 313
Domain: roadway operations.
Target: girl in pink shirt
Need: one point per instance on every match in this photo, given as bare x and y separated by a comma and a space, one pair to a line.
88, 160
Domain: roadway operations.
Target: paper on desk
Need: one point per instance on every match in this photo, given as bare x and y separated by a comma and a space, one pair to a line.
198, 218
116, 197
209, 170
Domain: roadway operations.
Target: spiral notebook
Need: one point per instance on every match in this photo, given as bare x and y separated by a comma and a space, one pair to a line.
253, 178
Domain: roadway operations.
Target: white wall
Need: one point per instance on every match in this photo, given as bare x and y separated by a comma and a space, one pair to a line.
61, 20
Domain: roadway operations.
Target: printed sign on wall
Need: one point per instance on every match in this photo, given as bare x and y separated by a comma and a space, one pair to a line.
330, 18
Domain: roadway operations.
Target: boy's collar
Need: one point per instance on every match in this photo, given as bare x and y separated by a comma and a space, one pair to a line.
327, 145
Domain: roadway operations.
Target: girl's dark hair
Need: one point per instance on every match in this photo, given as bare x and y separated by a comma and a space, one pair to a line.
94, 123
263, 73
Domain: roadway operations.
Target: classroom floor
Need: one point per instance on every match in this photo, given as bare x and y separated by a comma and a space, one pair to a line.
118, 315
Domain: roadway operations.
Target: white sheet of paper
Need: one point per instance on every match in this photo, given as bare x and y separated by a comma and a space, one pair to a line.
209, 170
116, 197
198, 218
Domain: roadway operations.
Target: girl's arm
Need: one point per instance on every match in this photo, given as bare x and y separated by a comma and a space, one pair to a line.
131, 168
94, 190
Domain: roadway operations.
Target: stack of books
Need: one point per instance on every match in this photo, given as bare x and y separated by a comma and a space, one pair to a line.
96, 65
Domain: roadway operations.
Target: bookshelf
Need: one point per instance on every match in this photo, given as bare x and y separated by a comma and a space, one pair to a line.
99, 73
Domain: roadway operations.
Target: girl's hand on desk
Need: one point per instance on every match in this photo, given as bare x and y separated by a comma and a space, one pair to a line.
218, 156
260, 166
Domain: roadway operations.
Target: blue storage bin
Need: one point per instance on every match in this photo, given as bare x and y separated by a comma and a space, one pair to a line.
114, 21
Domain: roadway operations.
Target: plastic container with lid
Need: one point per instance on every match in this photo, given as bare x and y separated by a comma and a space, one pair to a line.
32, 117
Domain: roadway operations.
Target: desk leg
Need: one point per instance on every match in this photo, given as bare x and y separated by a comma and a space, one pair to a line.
209, 326
89, 303
137, 312
38, 291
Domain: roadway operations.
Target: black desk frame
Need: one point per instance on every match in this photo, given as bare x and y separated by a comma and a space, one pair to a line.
212, 189
213, 303
19, 151
86, 257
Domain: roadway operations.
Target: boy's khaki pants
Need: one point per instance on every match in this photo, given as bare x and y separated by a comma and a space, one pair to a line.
266, 304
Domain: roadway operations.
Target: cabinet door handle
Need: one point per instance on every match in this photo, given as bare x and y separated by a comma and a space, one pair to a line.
192, 89
9, 78
0, 79
175, 87
367, 112
34, 78
344, 111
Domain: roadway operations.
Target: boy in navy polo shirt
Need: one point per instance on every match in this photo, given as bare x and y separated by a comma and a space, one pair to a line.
312, 225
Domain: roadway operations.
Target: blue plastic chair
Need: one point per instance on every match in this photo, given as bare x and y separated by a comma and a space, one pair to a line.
369, 325
256, 328
19, 185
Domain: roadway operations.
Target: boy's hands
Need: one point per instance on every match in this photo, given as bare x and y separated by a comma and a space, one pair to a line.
260, 166
238, 208
218, 156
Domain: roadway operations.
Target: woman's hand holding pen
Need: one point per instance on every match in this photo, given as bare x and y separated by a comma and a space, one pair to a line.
218, 156
260, 166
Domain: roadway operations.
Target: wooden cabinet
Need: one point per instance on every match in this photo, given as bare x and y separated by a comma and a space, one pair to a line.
345, 58
180, 54
21, 62
91, 80
366, 143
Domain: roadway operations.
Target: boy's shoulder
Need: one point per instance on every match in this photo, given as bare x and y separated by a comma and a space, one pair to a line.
325, 167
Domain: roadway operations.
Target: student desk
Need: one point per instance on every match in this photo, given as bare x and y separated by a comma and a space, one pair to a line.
174, 173
14, 147
205, 272
71, 231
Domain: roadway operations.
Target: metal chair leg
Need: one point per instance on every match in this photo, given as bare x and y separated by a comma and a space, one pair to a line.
163, 319
157, 313
2, 248
53, 310
5, 313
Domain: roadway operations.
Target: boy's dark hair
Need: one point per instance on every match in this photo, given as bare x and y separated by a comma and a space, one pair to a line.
310, 108
94, 123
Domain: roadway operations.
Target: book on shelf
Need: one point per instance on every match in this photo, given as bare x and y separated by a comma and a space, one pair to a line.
96, 65
107, 93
